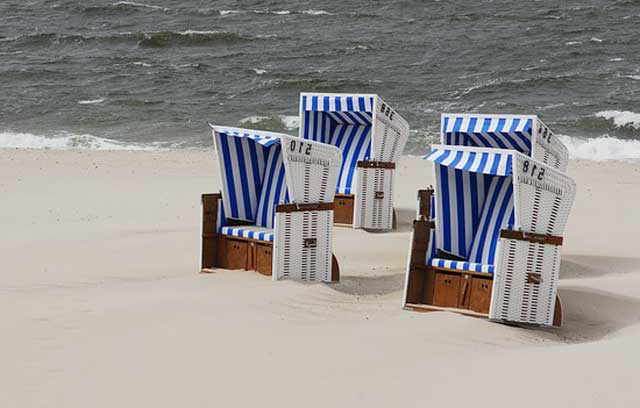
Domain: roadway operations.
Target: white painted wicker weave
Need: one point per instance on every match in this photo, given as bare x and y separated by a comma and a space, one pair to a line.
311, 178
374, 199
388, 133
542, 207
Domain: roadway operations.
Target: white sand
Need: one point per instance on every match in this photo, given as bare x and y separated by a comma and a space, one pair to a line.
102, 304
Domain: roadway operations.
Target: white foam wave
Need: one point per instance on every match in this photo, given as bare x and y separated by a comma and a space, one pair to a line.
142, 5
634, 77
290, 122
621, 119
91, 101
63, 141
316, 12
287, 122
227, 12
260, 71
310, 12
602, 148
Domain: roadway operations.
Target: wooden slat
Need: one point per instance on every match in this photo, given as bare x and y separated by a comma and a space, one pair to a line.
424, 203
531, 237
461, 272
289, 208
376, 165
429, 308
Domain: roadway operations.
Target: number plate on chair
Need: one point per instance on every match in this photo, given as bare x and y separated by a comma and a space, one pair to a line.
379, 195
310, 242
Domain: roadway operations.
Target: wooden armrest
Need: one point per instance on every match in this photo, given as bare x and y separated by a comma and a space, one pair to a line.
293, 207
428, 224
532, 237
206, 198
424, 202
376, 165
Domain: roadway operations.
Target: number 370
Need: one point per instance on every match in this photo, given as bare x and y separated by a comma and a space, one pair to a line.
535, 171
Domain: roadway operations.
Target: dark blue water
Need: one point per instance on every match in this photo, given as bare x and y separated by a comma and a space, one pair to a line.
154, 72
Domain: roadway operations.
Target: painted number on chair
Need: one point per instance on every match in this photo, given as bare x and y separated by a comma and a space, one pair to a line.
533, 170
545, 134
300, 147
387, 111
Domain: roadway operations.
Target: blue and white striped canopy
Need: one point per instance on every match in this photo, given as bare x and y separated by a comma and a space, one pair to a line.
344, 121
495, 131
473, 202
484, 161
252, 172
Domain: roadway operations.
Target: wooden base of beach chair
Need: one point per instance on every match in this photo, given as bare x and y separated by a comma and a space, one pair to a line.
449, 289
343, 210
237, 253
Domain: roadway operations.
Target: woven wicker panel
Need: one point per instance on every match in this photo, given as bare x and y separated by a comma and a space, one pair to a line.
544, 196
374, 199
311, 170
390, 133
303, 246
514, 297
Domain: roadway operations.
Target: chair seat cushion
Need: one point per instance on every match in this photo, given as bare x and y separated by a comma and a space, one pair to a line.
248, 231
462, 265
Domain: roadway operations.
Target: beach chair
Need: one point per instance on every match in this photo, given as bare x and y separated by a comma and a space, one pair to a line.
275, 212
488, 242
526, 134
371, 136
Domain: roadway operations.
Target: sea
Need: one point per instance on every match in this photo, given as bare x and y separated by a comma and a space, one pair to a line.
150, 74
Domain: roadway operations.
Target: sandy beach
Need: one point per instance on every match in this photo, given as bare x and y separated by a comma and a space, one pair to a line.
102, 303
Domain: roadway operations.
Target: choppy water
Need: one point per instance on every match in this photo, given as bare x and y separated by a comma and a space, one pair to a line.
151, 73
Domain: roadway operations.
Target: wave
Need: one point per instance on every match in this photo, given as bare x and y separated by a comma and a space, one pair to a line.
123, 6
275, 12
602, 148
621, 119
151, 39
273, 123
316, 12
63, 141
91, 101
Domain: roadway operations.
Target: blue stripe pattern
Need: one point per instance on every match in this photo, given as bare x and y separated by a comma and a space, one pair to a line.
473, 202
253, 175
248, 231
343, 121
497, 213
274, 189
494, 131
496, 163
462, 265
457, 208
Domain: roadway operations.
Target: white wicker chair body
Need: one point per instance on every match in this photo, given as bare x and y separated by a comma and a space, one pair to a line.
543, 199
373, 207
506, 131
302, 243
372, 186
302, 247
